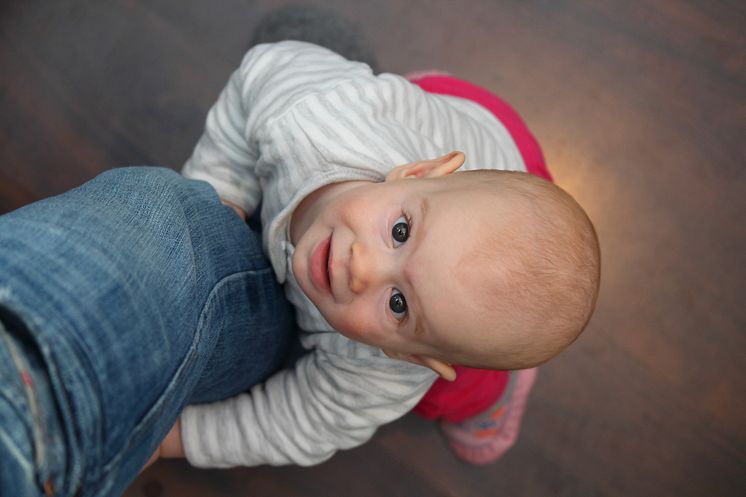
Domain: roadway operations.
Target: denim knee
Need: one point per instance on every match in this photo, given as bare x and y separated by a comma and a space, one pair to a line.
149, 184
145, 177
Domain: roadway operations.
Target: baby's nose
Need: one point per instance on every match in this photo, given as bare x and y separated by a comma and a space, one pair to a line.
365, 268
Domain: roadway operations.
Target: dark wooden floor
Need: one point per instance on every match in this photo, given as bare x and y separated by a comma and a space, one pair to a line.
641, 109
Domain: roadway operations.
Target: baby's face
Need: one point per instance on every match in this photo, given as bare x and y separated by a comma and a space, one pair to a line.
387, 264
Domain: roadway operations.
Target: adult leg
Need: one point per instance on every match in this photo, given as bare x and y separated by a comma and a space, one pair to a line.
115, 298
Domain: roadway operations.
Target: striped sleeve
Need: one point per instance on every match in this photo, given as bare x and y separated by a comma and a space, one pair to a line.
271, 79
329, 401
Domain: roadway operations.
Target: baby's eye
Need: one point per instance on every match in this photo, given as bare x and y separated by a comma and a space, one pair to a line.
400, 231
398, 305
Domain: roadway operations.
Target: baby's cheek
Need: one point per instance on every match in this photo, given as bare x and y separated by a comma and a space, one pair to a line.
350, 326
357, 327
355, 212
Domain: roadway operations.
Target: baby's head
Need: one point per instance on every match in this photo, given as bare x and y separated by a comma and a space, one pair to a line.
488, 269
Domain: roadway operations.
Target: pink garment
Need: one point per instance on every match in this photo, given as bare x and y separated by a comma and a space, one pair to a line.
475, 390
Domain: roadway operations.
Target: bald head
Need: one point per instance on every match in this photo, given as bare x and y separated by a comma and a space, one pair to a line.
534, 269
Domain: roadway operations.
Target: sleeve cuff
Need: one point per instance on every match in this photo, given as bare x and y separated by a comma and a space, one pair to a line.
196, 441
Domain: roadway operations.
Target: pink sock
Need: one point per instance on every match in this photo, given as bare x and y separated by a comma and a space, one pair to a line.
485, 437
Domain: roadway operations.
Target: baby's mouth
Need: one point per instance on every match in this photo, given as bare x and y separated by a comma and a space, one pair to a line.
320, 265
329, 266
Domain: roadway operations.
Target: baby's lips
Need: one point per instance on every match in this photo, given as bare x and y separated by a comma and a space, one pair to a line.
319, 265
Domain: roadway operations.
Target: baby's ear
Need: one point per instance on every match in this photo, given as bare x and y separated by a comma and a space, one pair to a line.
428, 168
443, 369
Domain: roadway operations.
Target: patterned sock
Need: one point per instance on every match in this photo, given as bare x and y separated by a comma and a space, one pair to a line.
485, 437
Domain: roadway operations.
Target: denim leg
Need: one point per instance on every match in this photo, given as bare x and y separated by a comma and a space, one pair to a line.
139, 292
25, 424
257, 330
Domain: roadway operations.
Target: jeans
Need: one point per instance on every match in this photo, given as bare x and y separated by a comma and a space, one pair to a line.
122, 301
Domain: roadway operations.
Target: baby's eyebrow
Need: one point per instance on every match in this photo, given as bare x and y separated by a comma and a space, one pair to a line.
424, 208
419, 329
419, 319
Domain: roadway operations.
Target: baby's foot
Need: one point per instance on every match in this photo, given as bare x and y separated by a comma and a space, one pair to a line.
482, 439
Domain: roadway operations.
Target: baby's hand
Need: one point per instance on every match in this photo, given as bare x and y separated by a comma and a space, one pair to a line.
170, 447
235, 207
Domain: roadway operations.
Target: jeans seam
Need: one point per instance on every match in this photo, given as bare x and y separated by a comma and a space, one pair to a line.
39, 431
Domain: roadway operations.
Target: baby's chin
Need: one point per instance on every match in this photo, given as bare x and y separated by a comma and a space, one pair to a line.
300, 272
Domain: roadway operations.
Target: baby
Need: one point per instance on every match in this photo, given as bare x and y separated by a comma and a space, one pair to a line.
401, 258
487, 269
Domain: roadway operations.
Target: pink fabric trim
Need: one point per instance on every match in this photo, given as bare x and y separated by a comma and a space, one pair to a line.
427, 73
471, 393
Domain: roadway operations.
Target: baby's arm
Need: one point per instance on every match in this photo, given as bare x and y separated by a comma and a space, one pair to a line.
270, 80
303, 416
